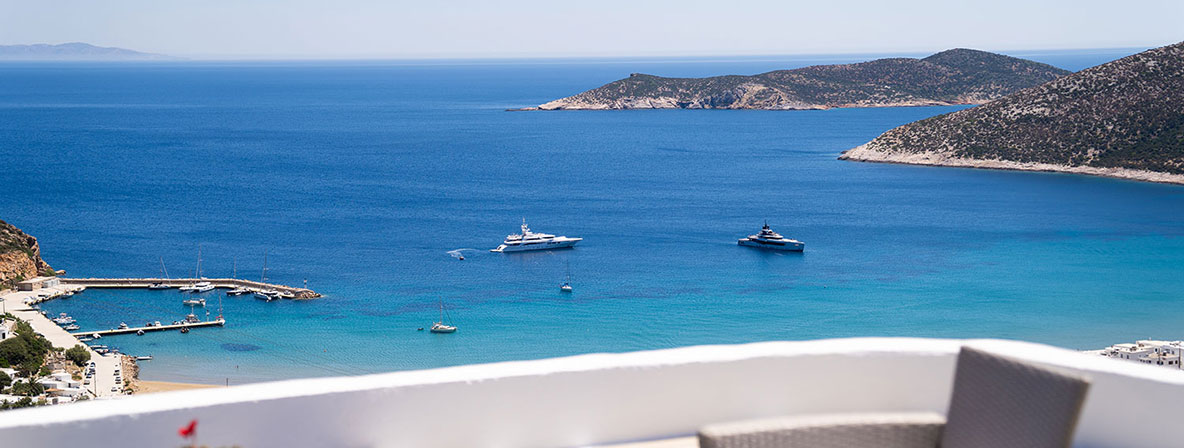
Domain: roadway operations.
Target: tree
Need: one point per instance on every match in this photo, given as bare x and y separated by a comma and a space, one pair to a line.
5, 380
78, 354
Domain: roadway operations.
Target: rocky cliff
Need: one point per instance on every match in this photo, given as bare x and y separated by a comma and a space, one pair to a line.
958, 76
1122, 119
20, 256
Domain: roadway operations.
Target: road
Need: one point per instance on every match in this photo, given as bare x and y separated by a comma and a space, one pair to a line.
105, 366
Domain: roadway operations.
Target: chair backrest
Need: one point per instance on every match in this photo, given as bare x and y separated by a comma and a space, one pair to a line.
1003, 402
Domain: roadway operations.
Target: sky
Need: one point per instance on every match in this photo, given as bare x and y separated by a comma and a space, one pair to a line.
351, 29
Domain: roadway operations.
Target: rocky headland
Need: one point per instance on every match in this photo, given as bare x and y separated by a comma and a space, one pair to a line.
958, 76
20, 256
1121, 119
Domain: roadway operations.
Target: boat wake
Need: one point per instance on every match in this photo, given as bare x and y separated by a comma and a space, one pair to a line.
460, 253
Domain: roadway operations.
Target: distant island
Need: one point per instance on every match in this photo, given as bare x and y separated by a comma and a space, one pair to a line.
74, 51
958, 76
1120, 119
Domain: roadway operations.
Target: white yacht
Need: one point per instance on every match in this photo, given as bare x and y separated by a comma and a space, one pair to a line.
768, 239
528, 240
195, 302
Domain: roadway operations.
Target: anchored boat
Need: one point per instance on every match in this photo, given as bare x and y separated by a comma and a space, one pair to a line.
528, 240
768, 239
441, 327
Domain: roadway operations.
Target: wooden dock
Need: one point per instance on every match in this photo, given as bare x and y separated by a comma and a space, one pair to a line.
210, 323
226, 283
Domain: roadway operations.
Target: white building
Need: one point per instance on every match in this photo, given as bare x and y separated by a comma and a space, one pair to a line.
1159, 353
38, 283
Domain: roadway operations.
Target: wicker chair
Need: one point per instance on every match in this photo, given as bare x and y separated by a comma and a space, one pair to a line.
996, 402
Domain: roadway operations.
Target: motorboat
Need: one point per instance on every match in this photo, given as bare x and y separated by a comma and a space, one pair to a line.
71, 327
144, 358
768, 239
267, 295
122, 326
195, 302
238, 290
159, 285
566, 287
192, 319
527, 241
285, 294
63, 319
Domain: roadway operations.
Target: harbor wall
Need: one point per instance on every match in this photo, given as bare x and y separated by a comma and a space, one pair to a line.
230, 283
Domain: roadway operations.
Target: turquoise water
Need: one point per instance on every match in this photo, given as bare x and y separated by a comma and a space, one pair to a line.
360, 177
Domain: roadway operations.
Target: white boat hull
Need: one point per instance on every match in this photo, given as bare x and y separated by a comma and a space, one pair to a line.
788, 246
542, 245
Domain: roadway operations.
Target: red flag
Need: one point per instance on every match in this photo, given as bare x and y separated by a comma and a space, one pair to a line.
189, 430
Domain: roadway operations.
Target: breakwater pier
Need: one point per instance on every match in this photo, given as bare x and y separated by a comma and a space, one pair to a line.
208, 323
228, 283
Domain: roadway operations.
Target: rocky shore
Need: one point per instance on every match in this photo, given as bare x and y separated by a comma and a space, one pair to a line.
863, 154
1121, 119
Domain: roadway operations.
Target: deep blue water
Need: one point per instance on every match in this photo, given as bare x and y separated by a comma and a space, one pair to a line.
360, 176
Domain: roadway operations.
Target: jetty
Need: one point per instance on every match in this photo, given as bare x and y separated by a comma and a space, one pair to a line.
208, 323
228, 283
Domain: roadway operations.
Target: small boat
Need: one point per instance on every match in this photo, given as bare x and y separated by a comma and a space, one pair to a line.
184, 329
238, 291
84, 339
71, 327
460, 257
159, 285
63, 319
144, 358
96, 336
267, 295
96, 347
192, 319
139, 332
285, 294
440, 327
566, 286
101, 351
122, 326
195, 302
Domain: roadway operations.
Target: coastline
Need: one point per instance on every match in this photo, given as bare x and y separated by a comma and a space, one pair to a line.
151, 387
862, 153
670, 103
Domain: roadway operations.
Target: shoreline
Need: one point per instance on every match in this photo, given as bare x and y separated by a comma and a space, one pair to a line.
861, 153
673, 106
151, 387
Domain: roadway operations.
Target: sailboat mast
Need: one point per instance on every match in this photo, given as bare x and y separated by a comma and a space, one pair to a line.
263, 276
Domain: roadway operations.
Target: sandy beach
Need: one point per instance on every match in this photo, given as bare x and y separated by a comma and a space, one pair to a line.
148, 387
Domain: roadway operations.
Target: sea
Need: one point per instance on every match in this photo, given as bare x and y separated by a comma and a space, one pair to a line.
358, 178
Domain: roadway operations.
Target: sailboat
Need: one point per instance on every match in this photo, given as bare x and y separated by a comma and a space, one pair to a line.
239, 290
439, 327
566, 286
163, 272
270, 294
197, 286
